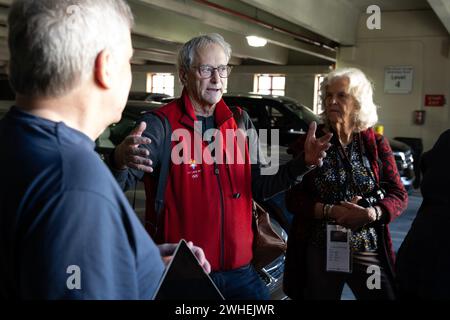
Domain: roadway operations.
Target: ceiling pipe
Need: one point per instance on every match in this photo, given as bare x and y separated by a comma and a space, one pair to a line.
298, 36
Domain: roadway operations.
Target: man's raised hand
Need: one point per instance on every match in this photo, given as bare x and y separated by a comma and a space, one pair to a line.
315, 148
128, 154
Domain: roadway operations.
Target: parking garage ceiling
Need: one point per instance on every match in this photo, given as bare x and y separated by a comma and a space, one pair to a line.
299, 32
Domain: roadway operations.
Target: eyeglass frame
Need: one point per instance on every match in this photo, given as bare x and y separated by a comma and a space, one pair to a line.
212, 70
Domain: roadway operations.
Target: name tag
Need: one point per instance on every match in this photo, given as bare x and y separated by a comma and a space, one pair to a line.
339, 258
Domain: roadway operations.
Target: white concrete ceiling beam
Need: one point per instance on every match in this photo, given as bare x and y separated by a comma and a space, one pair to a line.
171, 27
442, 10
188, 10
334, 19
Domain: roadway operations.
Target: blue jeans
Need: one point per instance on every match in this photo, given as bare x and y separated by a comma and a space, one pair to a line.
241, 284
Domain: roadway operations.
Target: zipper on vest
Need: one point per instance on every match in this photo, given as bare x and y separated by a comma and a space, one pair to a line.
222, 217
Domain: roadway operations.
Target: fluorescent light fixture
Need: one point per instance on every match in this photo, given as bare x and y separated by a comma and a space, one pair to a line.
255, 41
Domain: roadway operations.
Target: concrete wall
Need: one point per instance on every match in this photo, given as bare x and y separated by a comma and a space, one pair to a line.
299, 79
139, 81
140, 77
413, 38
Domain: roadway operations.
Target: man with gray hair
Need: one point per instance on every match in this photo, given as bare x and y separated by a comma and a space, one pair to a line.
207, 200
66, 228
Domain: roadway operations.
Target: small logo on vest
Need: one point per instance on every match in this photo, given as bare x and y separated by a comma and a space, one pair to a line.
195, 172
192, 164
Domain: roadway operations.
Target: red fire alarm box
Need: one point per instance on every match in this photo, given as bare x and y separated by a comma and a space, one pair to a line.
419, 117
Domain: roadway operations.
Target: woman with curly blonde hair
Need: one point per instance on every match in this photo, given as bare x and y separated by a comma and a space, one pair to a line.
357, 187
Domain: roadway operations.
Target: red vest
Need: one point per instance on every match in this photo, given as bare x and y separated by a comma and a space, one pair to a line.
208, 204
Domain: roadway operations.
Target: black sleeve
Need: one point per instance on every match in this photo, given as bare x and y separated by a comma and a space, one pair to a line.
268, 178
155, 131
436, 175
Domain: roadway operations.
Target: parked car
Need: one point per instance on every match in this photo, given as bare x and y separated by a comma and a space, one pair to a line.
292, 118
405, 162
272, 274
147, 96
116, 132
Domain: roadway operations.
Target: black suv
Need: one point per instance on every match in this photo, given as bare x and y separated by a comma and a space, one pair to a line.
292, 118
146, 96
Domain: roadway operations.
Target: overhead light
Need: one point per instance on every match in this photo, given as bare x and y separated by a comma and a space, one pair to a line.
255, 41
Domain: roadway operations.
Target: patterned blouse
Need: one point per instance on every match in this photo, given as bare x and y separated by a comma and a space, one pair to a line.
333, 184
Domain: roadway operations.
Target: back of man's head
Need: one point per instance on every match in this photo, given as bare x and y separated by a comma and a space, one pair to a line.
54, 43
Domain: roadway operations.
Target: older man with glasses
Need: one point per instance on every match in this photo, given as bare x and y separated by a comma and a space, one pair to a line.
207, 196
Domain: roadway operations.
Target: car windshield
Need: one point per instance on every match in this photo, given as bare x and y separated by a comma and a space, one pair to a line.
303, 112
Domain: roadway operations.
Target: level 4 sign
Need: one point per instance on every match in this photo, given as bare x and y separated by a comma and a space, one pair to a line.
398, 79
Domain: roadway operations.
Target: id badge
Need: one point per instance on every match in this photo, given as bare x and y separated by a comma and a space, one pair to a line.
339, 258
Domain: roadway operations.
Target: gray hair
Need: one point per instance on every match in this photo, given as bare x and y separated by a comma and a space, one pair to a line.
54, 43
361, 89
188, 50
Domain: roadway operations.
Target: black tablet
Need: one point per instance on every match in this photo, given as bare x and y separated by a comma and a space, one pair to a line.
185, 279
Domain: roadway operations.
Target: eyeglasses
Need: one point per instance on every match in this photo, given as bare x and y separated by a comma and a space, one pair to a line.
340, 95
207, 72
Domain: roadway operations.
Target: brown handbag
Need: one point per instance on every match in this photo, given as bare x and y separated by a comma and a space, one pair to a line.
267, 244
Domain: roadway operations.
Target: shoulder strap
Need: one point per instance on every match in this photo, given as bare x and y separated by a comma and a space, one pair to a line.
238, 116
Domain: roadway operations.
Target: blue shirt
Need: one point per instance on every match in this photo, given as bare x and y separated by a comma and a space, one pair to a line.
66, 229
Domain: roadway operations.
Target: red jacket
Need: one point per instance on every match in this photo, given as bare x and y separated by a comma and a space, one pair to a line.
209, 204
301, 199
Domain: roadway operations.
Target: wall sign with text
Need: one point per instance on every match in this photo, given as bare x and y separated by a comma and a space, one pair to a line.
434, 100
398, 79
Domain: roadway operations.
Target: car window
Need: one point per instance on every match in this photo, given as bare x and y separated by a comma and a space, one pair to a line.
116, 132
104, 141
303, 113
255, 110
120, 130
258, 116
279, 118
141, 96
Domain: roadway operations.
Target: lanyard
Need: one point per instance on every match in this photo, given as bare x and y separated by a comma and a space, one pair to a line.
348, 167
347, 164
